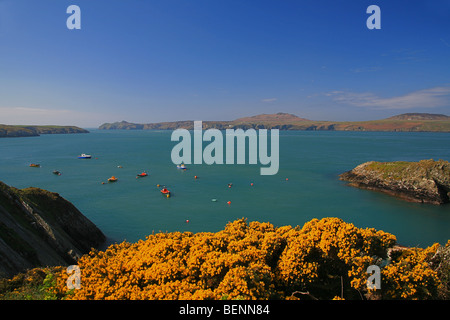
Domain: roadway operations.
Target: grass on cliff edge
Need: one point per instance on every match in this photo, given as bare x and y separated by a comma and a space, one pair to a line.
405, 169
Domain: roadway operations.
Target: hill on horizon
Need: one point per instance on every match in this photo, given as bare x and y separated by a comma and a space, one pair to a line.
280, 116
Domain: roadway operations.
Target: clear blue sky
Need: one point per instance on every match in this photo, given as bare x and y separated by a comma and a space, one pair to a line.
166, 60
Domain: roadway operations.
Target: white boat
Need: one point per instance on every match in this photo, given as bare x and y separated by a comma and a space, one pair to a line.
181, 166
84, 156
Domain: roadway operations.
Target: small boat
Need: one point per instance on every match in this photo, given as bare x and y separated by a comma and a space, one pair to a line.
165, 191
181, 166
112, 179
35, 165
143, 174
84, 156
57, 172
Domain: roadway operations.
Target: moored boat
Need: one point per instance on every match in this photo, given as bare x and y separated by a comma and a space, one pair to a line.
84, 156
35, 165
112, 179
143, 174
181, 166
165, 192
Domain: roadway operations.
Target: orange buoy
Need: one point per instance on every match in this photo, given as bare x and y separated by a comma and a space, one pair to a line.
187, 221
287, 179
229, 202
195, 177
251, 184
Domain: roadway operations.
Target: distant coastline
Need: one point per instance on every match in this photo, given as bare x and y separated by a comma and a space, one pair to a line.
7, 131
408, 122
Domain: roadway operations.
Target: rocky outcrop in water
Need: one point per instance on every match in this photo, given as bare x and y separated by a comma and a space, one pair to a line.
40, 228
426, 181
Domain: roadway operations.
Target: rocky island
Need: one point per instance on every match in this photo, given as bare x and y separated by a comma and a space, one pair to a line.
426, 181
34, 131
40, 228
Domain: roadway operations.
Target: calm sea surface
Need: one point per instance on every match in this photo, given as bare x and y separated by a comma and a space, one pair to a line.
132, 208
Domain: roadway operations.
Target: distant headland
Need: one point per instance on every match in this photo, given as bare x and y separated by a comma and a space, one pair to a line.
33, 131
419, 122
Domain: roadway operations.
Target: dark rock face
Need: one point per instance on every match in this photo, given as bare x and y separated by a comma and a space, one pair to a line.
425, 181
40, 228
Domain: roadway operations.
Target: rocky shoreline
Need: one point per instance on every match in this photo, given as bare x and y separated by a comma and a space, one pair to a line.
426, 181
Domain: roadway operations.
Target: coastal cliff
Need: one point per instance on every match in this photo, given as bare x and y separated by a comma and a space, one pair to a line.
426, 181
40, 228
34, 131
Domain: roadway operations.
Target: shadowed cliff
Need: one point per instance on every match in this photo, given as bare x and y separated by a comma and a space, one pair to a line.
40, 228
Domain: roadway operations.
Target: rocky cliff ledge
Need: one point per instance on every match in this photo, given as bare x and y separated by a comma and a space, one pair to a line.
426, 181
40, 228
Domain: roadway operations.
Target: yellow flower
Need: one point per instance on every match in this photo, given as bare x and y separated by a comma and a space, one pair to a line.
252, 261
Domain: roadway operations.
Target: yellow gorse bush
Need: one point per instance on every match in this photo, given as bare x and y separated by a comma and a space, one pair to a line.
410, 277
327, 258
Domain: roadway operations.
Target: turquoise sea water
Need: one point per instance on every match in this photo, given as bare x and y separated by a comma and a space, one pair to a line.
132, 208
